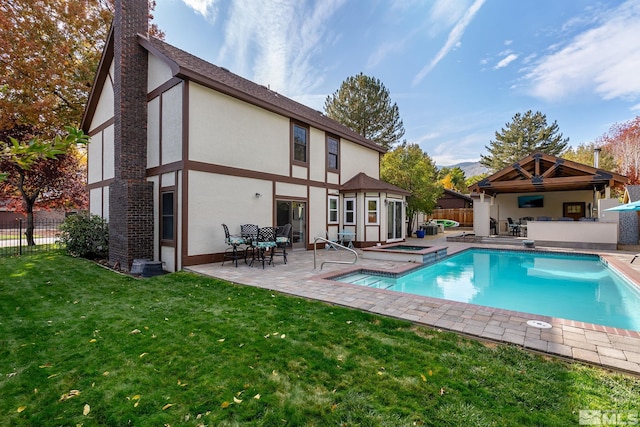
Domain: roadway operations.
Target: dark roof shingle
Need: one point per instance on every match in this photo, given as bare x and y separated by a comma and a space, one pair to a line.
363, 182
188, 66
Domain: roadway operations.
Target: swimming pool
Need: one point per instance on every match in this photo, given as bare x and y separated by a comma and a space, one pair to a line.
575, 287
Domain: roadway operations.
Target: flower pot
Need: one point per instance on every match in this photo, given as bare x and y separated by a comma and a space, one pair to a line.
420, 234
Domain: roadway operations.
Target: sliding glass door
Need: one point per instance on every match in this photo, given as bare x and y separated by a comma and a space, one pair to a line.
294, 213
394, 220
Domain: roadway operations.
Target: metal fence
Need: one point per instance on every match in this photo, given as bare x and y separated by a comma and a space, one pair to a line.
13, 241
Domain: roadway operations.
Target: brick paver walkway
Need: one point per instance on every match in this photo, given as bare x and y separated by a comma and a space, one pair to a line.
608, 347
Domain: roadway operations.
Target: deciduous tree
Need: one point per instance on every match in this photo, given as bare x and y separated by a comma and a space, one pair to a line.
46, 171
526, 134
408, 167
49, 52
363, 104
584, 153
452, 178
623, 142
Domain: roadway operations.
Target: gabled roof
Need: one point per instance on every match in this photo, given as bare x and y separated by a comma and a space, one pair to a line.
186, 66
363, 182
540, 172
631, 194
457, 195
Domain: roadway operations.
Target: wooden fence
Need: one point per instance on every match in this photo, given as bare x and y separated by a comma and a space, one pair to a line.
462, 215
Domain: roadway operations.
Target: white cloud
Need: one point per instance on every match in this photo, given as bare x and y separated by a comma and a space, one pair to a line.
266, 43
506, 61
635, 107
452, 41
206, 8
604, 59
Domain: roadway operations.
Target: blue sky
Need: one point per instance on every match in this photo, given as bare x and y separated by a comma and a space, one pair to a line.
458, 69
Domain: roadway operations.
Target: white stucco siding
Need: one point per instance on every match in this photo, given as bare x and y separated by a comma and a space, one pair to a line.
95, 201
317, 213
333, 178
291, 190
159, 73
105, 203
99, 202
317, 155
172, 125
229, 132
104, 107
108, 153
355, 159
215, 199
552, 204
94, 158
153, 133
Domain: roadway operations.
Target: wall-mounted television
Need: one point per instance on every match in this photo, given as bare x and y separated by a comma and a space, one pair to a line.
530, 201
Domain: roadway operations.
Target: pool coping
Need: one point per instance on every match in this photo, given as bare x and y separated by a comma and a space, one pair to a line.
406, 269
607, 347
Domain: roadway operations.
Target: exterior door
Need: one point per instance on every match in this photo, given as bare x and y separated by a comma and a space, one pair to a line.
394, 220
574, 210
294, 213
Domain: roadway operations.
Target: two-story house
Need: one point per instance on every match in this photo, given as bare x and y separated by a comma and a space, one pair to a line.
180, 146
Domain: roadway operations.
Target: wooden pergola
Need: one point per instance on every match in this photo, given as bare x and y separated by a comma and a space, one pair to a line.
541, 172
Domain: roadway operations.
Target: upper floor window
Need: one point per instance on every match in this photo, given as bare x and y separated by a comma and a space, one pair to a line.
349, 210
333, 145
300, 143
333, 210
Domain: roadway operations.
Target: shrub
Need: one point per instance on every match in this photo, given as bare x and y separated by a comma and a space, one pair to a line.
85, 235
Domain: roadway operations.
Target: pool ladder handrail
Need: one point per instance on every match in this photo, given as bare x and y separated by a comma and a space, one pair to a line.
315, 250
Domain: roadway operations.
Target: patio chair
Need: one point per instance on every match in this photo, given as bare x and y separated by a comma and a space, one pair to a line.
249, 232
234, 242
330, 244
513, 227
282, 241
265, 242
493, 226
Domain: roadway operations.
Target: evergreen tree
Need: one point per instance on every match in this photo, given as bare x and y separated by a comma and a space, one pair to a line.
363, 104
525, 135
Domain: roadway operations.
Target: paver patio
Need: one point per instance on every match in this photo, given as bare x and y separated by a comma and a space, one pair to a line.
609, 347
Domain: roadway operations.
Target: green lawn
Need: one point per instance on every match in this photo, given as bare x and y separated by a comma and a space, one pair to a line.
81, 345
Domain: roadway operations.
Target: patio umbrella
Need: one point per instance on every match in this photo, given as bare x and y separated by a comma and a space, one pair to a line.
627, 207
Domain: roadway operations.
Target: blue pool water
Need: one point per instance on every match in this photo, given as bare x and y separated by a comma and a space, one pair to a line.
576, 287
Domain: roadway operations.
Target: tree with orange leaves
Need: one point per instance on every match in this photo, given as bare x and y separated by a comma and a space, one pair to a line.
49, 51
623, 142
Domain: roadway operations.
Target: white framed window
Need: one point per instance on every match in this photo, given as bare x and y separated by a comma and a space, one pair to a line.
332, 214
373, 213
349, 211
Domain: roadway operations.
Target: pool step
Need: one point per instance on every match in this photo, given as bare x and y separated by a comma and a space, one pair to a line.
368, 280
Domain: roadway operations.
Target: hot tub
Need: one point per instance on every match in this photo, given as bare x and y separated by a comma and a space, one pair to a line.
405, 253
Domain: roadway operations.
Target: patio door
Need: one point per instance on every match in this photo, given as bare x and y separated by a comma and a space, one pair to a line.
294, 213
394, 220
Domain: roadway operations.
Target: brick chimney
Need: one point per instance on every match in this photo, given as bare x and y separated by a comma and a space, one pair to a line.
130, 194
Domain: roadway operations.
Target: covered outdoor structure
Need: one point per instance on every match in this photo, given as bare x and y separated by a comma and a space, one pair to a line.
559, 202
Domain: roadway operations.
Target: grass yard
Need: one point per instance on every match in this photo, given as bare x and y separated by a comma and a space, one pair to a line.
81, 345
